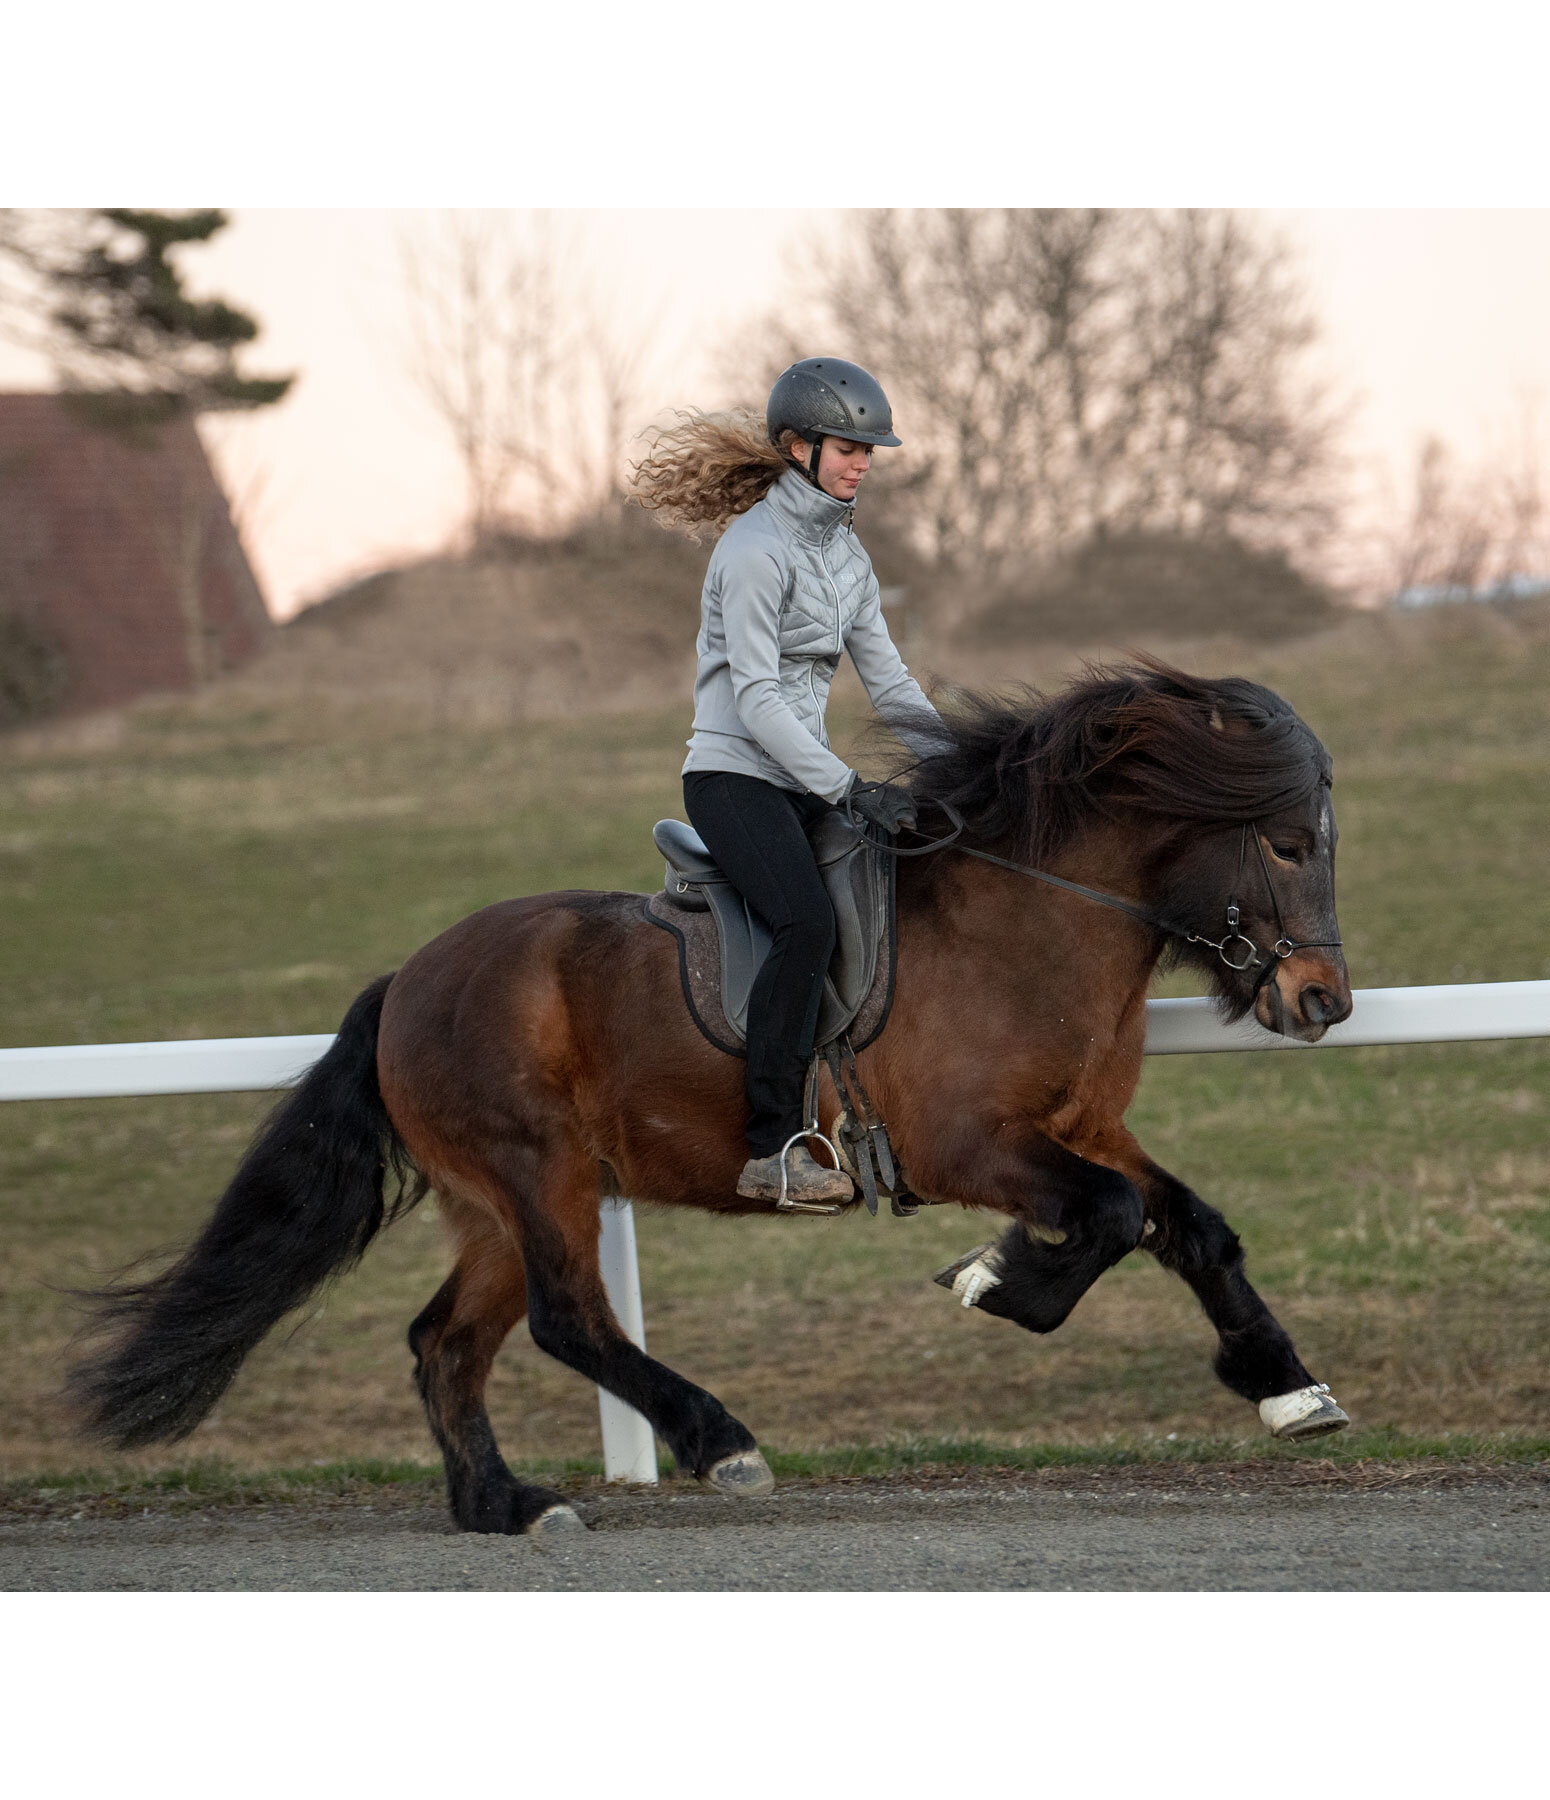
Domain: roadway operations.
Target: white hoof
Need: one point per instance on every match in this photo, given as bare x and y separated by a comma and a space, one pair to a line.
1308, 1412
974, 1273
747, 1475
553, 1523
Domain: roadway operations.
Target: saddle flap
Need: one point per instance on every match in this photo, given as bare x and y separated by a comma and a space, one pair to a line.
856, 879
745, 942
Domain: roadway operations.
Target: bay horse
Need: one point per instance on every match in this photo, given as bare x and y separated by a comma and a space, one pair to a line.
540, 1054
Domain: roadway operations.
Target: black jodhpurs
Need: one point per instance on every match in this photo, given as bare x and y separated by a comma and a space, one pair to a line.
756, 833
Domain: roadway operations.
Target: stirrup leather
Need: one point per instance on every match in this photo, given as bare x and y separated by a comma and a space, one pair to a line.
862, 1137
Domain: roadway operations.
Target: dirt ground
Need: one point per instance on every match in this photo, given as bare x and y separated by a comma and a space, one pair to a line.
1294, 1527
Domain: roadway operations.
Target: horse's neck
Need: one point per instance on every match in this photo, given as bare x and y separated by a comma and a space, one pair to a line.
1031, 945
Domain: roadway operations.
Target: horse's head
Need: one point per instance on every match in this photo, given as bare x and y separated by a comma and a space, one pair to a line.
1218, 795
1278, 955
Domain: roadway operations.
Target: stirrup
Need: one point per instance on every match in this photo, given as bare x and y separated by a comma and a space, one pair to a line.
785, 1203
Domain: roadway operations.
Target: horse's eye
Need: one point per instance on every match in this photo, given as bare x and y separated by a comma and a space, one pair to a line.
1286, 852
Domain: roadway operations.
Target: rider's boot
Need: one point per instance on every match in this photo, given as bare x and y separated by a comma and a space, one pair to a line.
806, 1183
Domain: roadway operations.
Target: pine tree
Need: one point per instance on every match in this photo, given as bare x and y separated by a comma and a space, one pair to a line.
129, 344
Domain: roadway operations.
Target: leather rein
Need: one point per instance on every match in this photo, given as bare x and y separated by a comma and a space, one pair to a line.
1283, 947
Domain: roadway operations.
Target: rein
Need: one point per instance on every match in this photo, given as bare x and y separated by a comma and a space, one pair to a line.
1283, 947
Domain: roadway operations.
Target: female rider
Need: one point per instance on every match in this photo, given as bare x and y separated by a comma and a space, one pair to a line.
788, 588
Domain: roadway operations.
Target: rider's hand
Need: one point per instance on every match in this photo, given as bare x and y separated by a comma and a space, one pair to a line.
882, 803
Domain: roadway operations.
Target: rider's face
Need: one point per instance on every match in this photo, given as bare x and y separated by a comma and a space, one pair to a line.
842, 466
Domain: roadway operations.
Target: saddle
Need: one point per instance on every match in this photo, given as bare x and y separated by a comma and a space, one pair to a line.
722, 941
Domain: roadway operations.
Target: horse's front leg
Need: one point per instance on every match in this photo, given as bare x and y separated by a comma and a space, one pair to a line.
1255, 1357
1072, 1220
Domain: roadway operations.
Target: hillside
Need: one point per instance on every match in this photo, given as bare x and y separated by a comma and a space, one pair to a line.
604, 623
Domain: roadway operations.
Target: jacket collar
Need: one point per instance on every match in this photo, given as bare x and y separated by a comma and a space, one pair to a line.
806, 511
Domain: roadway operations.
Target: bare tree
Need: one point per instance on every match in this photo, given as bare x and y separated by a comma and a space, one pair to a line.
535, 383
619, 360
1474, 530
1229, 433
1523, 541
1060, 373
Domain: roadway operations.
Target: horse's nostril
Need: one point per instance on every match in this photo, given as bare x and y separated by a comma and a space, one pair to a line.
1322, 1006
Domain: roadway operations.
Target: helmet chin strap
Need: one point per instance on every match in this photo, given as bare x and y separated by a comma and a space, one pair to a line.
810, 467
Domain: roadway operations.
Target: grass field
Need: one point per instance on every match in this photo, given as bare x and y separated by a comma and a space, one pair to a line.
190, 871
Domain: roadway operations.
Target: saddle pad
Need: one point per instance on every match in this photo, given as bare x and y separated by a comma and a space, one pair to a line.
699, 969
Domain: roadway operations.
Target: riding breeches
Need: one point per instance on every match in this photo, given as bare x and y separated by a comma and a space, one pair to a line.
757, 833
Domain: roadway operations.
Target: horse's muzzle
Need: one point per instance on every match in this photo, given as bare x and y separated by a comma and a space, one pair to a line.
1314, 1005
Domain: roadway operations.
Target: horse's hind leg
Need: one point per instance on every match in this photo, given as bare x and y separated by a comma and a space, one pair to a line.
454, 1342
570, 1317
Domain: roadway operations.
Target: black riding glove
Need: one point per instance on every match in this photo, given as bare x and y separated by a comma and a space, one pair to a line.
882, 803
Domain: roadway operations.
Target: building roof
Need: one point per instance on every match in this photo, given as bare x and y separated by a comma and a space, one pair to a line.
121, 553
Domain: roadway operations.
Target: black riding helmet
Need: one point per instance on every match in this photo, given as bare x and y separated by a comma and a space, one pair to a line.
824, 396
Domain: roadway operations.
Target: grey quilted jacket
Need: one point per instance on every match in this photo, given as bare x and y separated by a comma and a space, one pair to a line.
788, 589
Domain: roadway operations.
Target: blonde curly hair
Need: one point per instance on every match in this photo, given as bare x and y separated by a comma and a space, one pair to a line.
702, 472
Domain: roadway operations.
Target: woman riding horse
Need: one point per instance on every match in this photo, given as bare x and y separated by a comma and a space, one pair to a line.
788, 588
540, 1054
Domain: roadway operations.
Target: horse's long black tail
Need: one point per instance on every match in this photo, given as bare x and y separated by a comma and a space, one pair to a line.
304, 1204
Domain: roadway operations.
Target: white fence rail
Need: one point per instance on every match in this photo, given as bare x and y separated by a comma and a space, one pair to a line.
1413, 1015
184, 1066
1404, 1015
1408, 1015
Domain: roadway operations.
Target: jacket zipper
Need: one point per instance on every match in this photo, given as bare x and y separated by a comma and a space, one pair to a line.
838, 646
833, 588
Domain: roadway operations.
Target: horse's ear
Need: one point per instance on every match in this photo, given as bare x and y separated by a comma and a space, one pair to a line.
1216, 719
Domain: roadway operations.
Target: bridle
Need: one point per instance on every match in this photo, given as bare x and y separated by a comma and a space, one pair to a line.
1283, 947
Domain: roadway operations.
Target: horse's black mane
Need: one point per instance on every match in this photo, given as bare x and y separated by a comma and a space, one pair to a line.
1028, 771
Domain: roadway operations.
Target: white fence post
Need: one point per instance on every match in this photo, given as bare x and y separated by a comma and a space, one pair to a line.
629, 1444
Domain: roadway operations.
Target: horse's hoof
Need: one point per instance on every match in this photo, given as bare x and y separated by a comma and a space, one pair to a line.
554, 1523
974, 1273
746, 1475
1306, 1413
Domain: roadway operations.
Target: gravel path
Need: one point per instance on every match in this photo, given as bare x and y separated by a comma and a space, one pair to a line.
1288, 1527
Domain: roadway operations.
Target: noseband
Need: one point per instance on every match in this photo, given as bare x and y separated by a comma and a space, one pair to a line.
1283, 947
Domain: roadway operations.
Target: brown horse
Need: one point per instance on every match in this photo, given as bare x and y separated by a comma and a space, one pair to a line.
540, 1054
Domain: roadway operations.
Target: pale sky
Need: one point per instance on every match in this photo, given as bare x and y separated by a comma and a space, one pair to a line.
1434, 320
